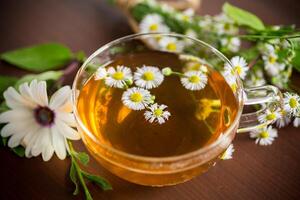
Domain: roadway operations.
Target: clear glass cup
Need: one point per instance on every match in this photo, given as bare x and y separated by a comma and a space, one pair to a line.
161, 171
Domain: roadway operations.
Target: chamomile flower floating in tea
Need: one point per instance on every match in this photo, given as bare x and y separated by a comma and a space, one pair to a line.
291, 103
148, 77
157, 113
228, 153
269, 116
152, 23
136, 98
264, 136
118, 77
41, 126
194, 80
171, 44
239, 66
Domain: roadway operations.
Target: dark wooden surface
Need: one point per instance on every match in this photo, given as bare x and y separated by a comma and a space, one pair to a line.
255, 172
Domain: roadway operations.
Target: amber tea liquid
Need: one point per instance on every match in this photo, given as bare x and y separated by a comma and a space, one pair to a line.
197, 118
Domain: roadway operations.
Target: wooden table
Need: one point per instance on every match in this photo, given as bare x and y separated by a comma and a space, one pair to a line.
256, 172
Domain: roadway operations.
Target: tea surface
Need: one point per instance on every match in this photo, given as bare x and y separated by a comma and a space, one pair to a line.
197, 117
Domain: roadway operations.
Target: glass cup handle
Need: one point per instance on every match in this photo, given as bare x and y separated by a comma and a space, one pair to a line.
268, 97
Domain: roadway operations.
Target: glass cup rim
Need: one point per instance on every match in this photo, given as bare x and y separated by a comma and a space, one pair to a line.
150, 158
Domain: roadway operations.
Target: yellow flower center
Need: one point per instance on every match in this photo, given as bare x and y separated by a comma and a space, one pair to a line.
136, 97
118, 76
271, 117
293, 103
233, 87
171, 46
158, 112
153, 27
272, 59
185, 18
238, 69
194, 79
148, 76
264, 134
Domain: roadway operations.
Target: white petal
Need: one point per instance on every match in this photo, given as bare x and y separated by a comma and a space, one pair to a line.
42, 140
42, 91
47, 152
58, 142
8, 130
68, 118
31, 141
14, 100
60, 98
67, 131
15, 139
15, 115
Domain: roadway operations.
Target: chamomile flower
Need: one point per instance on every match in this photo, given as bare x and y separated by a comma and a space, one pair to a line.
148, 77
231, 43
296, 122
225, 25
269, 116
283, 120
190, 33
157, 113
231, 81
291, 103
239, 67
136, 98
264, 136
255, 79
152, 23
42, 126
205, 22
194, 80
101, 73
118, 77
186, 15
271, 65
171, 44
228, 153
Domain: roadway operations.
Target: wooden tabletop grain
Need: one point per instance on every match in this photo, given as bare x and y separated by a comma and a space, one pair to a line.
256, 172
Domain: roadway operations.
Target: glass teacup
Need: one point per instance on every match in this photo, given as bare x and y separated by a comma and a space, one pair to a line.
174, 169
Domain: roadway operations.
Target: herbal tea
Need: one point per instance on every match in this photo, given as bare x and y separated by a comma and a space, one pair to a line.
168, 105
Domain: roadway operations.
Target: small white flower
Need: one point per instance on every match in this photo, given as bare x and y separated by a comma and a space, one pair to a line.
228, 153
194, 80
296, 122
118, 77
264, 136
148, 77
41, 126
240, 67
186, 15
101, 73
283, 120
269, 116
190, 33
225, 25
231, 81
171, 44
271, 65
291, 103
136, 98
157, 113
255, 78
232, 44
205, 22
153, 23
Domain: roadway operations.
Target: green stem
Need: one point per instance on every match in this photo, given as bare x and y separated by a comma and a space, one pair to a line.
78, 170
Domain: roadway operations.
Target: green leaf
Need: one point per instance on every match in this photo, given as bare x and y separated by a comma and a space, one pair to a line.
5, 82
73, 177
101, 182
82, 157
39, 58
243, 17
3, 141
50, 75
19, 150
296, 60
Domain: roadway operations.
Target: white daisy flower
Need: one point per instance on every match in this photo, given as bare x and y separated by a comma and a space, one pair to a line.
231, 81
264, 136
136, 98
225, 25
157, 113
291, 103
186, 15
240, 67
205, 22
296, 122
190, 33
269, 116
231, 43
101, 73
194, 80
228, 153
171, 44
118, 77
255, 79
271, 65
283, 120
148, 77
153, 23
40, 125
